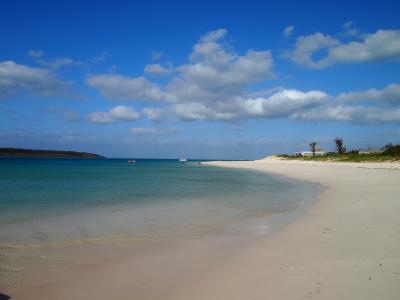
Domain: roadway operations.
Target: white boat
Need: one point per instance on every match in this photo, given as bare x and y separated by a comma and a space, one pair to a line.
182, 160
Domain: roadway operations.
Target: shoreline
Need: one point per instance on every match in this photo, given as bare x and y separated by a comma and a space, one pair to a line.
346, 245
120, 262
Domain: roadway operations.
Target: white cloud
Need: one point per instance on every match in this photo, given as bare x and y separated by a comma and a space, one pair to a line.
213, 65
388, 95
154, 131
117, 113
214, 73
354, 114
157, 69
370, 106
216, 78
382, 45
125, 88
194, 111
306, 46
16, 78
35, 53
288, 31
225, 71
284, 103
280, 104
154, 114
218, 83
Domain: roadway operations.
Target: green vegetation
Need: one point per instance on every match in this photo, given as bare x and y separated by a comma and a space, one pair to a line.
347, 157
391, 150
387, 153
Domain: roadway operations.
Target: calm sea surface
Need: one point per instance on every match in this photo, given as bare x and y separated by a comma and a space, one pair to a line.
55, 201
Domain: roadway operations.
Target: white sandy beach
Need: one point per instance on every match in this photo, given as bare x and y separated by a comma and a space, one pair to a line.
347, 246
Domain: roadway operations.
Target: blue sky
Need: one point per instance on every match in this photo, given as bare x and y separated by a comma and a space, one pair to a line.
207, 80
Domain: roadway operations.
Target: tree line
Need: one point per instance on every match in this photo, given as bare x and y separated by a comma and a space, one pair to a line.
388, 149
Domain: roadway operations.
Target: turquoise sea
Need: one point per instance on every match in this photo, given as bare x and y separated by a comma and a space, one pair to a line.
60, 201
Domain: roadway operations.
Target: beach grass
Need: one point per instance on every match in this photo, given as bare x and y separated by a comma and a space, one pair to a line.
346, 157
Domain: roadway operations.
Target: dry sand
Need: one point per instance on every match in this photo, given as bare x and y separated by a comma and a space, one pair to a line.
347, 246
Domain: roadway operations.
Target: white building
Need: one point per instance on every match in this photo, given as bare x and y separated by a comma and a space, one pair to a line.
309, 153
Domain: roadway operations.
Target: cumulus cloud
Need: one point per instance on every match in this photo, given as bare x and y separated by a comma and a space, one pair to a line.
214, 66
212, 85
157, 69
117, 113
194, 111
125, 88
284, 103
15, 78
152, 113
383, 45
280, 104
389, 95
214, 73
288, 31
154, 131
353, 114
218, 83
370, 106
306, 46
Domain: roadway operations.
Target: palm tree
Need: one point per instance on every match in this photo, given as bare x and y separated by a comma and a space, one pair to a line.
313, 146
339, 146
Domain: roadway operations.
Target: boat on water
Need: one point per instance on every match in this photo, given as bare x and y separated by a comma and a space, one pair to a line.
183, 160
131, 161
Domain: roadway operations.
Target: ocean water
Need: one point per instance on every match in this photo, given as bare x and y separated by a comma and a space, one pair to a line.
48, 202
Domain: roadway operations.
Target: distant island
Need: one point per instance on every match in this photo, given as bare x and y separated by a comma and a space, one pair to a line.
18, 152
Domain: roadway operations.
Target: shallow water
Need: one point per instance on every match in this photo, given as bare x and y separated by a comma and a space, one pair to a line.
63, 202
